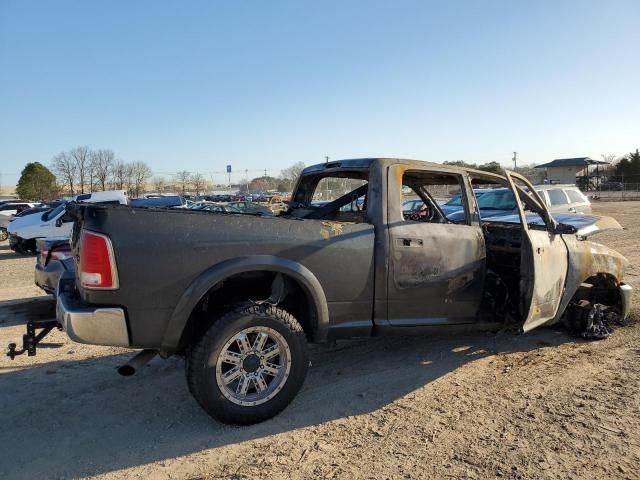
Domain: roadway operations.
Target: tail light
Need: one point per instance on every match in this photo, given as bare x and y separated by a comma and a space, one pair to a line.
97, 262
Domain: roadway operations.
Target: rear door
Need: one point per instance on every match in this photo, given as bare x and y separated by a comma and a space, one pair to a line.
544, 260
436, 268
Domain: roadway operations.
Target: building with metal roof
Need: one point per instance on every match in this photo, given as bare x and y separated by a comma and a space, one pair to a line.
565, 170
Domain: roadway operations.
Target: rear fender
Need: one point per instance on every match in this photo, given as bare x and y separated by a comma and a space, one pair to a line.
250, 263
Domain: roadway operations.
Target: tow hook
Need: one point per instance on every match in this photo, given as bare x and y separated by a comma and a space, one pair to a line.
30, 340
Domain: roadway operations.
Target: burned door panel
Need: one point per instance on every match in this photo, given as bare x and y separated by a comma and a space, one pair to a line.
543, 276
435, 273
435, 269
544, 262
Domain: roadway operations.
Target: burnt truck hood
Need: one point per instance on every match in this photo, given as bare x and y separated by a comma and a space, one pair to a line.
585, 225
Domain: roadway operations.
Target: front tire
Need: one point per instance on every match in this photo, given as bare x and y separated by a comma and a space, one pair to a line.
248, 365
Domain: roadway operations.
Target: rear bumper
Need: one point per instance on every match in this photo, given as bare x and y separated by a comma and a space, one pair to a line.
626, 294
47, 277
85, 324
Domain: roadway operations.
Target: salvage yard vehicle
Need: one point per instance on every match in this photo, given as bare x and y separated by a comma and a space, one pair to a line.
241, 296
501, 201
252, 208
8, 211
454, 204
24, 231
219, 208
51, 264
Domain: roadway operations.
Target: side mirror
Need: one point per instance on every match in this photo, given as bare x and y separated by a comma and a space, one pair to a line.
564, 228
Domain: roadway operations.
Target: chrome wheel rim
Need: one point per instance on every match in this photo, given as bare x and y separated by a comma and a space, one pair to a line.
253, 366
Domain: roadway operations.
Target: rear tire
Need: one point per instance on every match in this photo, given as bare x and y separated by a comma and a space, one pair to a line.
248, 365
3, 234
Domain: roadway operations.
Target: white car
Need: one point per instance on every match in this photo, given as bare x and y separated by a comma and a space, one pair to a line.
7, 211
11, 208
23, 231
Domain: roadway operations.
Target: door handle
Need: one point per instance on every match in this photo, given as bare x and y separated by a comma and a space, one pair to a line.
572, 210
409, 242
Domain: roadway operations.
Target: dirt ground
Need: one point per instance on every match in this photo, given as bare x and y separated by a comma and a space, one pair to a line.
16, 275
540, 405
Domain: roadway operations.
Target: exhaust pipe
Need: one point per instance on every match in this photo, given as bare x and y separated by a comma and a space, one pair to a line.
139, 361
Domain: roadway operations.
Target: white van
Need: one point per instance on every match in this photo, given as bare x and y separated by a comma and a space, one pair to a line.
23, 231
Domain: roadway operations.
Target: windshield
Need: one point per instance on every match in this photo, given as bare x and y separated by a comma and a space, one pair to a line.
48, 215
498, 200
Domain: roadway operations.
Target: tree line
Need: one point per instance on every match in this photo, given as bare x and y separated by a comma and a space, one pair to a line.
625, 169
82, 170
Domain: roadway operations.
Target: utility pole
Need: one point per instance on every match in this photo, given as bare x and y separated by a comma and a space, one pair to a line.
515, 160
265, 172
326, 159
246, 177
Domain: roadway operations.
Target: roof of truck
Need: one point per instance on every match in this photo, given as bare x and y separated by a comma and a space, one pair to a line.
365, 163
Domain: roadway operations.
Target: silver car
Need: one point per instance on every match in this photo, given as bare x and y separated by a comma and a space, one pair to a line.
564, 198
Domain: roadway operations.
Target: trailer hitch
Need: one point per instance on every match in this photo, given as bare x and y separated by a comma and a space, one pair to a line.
31, 339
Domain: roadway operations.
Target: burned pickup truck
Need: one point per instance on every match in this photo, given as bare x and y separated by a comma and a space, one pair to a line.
241, 296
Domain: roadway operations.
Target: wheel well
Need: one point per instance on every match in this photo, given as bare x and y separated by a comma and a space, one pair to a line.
601, 288
245, 287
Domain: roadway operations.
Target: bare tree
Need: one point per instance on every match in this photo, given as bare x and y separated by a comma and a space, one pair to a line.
141, 173
182, 180
129, 178
198, 183
80, 157
610, 158
64, 168
159, 183
101, 163
291, 174
118, 175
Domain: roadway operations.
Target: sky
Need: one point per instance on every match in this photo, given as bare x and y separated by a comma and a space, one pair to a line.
264, 84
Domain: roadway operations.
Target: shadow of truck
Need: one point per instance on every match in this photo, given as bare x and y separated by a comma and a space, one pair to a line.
76, 418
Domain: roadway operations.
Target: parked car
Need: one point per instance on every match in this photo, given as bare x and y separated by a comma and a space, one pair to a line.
558, 198
54, 258
415, 206
38, 209
24, 231
158, 201
11, 210
240, 296
612, 185
455, 203
220, 208
564, 198
252, 208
